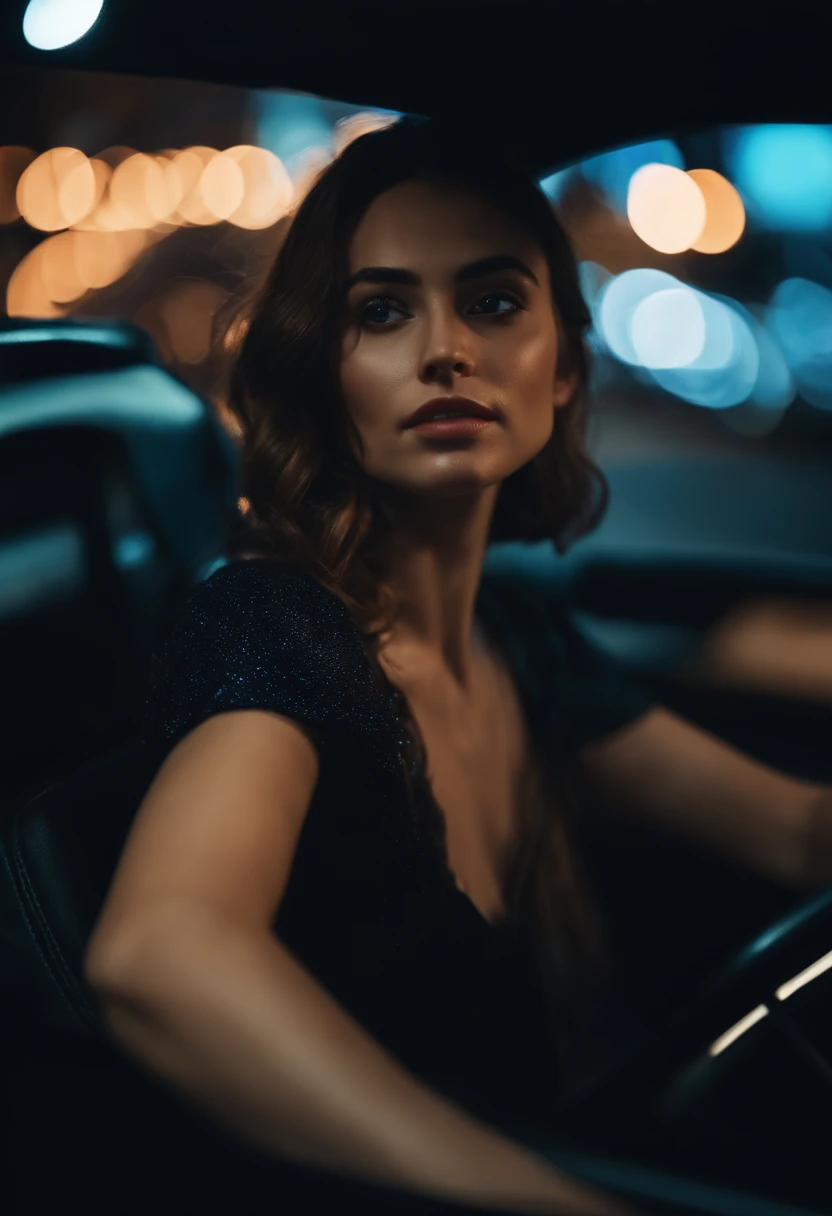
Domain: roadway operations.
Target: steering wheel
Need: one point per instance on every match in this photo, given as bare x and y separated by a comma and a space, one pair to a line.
643, 1083
609, 1133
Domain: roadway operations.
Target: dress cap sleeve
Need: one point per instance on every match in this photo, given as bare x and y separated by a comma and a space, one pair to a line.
257, 634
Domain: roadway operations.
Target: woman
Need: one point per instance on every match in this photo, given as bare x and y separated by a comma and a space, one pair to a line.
346, 921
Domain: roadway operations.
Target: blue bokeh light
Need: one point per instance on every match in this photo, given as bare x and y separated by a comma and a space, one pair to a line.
611, 171
799, 315
290, 124
49, 25
698, 346
726, 372
784, 174
774, 388
814, 380
618, 300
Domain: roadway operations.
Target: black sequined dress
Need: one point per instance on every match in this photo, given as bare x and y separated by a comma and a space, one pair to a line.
372, 909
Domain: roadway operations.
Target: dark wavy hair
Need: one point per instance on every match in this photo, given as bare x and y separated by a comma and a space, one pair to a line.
310, 503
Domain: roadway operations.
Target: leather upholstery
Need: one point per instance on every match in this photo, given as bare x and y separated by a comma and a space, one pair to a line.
58, 853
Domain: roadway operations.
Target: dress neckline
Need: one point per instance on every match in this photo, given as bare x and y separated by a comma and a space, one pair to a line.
493, 626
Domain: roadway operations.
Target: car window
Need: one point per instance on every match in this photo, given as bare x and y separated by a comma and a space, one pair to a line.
703, 257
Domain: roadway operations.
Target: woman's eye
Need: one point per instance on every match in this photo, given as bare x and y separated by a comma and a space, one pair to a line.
501, 295
376, 312
381, 305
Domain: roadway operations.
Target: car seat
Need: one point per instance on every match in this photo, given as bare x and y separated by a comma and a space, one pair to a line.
117, 490
116, 484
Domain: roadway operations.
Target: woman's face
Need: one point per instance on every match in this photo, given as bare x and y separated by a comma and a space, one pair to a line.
491, 337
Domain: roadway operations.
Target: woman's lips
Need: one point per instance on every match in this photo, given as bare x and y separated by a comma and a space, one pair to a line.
439, 428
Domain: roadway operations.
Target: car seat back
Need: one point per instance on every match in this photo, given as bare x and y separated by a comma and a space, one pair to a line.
117, 486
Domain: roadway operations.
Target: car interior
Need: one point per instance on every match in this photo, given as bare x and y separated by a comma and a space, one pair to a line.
710, 1086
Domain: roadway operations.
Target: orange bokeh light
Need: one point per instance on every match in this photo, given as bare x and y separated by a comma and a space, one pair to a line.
103, 257
58, 268
65, 266
725, 213
101, 174
268, 187
144, 190
57, 190
222, 186
173, 189
26, 294
189, 165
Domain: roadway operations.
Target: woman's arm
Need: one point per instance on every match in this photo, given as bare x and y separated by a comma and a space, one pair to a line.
780, 646
193, 982
665, 770
231, 1019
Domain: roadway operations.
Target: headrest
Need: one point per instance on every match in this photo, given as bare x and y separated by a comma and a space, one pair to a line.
102, 377
31, 349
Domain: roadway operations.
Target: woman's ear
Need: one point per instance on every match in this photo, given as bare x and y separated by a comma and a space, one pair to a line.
564, 389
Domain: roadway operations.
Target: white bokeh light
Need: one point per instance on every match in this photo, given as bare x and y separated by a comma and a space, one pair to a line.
666, 208
49, 25
667, 328
725, 373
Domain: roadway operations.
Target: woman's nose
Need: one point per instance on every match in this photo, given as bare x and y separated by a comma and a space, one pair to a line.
458, 364
447, 348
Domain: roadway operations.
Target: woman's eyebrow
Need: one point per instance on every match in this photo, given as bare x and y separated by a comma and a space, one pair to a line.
473, 270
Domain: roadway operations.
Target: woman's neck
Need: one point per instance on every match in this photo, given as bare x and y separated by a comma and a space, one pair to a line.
436, 624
